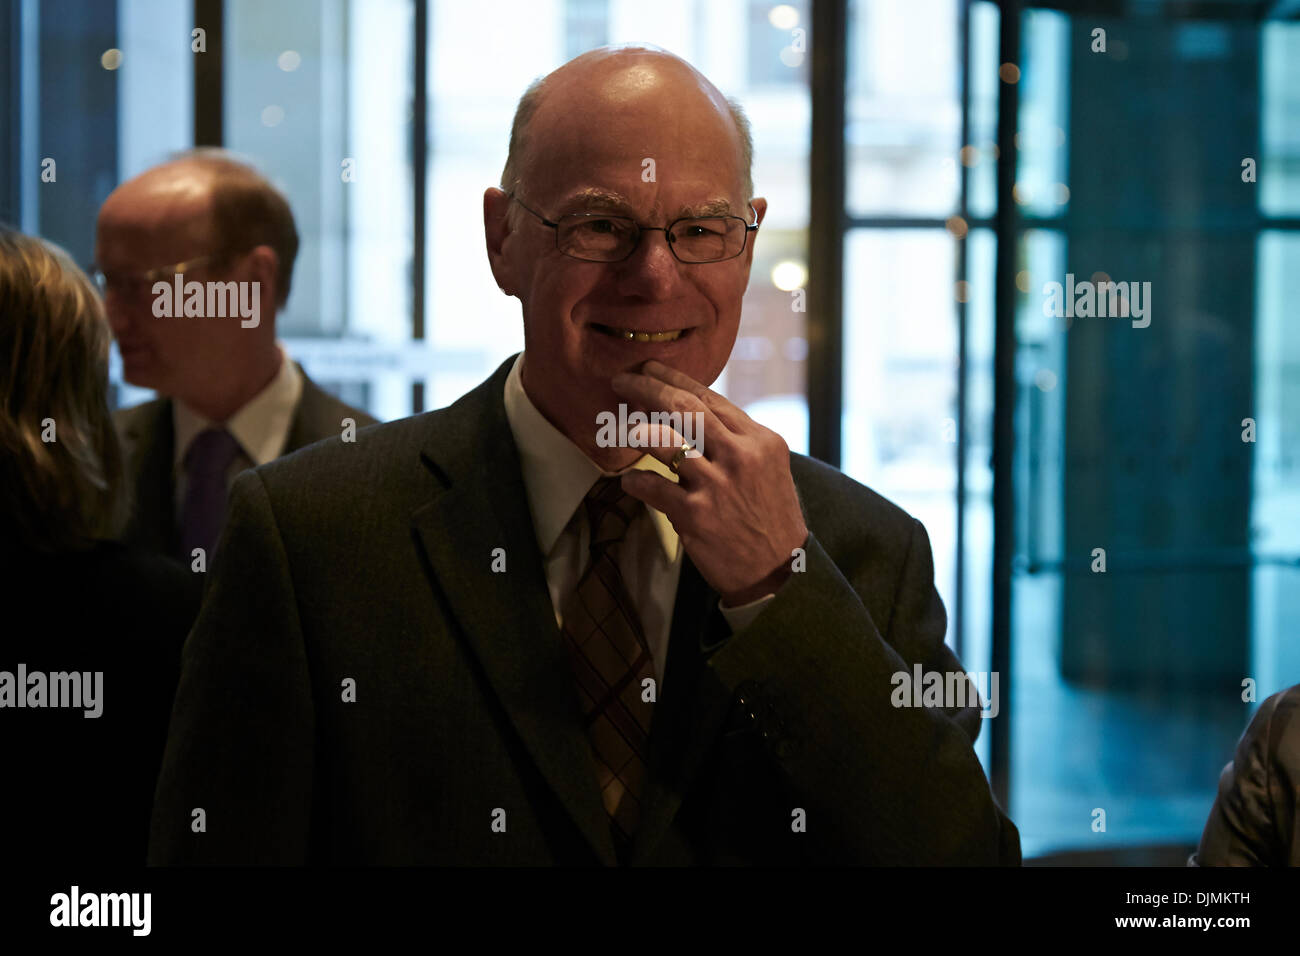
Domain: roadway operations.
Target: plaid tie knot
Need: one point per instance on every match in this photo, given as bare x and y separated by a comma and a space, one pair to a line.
610, 511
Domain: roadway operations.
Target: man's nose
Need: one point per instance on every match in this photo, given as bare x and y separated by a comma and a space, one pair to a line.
651, 271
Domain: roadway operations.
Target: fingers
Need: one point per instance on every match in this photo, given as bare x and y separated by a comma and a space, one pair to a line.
654, 394
731, 415
659, 493
663, 442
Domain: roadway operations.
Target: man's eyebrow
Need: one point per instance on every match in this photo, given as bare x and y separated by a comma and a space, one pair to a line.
609, 201
713, 207
605, 199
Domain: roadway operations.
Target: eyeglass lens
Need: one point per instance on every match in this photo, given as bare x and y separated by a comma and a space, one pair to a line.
609, 239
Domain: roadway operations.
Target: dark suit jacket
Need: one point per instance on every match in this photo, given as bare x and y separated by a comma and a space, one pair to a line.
149, 443
78, 791
371, 562
1253, 821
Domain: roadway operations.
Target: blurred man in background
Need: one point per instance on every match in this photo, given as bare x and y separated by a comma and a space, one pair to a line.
230, 397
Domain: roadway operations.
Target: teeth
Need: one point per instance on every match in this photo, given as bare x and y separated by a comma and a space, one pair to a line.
629, 335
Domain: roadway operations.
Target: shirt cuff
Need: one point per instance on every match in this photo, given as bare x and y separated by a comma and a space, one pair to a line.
741, 617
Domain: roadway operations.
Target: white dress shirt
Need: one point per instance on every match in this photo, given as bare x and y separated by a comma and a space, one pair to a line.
557, 476
261, 426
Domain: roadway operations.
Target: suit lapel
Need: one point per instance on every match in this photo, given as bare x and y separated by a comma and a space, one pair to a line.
150, 440
507, 618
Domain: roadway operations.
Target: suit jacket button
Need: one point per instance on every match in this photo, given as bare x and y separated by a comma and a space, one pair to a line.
747, 693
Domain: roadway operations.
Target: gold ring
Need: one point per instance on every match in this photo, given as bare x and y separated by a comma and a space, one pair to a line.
679, 455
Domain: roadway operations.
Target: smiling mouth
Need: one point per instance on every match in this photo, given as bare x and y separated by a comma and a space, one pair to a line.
631, 335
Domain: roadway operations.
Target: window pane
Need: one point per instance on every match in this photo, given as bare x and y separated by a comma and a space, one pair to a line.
1275, 532
902, 302
903, 108
900, 382
977, 513
1134, 568
1040, 188
95, 93
981, 153
155, 106
1278, 173
316, 95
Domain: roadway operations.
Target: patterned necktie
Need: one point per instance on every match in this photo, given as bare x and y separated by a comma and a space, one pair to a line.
610, 660
207, 462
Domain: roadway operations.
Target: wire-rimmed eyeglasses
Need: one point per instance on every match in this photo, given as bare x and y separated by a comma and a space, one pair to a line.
599, 237
137, 282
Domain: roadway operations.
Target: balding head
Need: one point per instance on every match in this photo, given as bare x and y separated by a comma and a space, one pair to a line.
211, 196
223, 223
615, 75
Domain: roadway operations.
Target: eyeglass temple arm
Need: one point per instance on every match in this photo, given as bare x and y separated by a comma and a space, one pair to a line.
544, 221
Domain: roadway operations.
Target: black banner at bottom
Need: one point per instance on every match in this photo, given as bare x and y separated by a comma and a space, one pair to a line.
232, 905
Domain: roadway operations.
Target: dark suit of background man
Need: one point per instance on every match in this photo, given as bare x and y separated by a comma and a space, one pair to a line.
446, 642
230, 396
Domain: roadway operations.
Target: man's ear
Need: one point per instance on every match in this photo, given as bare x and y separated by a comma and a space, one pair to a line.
496, 229
262, 261
263, 266
760, 210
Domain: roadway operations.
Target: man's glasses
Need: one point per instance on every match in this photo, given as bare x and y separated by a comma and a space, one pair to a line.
137, 283
596, 237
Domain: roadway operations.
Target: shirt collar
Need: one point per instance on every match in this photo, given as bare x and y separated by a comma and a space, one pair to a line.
261, 426
558, 474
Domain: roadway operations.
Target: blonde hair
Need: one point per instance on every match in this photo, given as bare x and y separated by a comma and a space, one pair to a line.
54, 338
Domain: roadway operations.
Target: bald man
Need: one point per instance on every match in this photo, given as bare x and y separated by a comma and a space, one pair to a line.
230, 397
507, 632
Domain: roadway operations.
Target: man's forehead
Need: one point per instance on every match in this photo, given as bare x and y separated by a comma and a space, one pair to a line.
152, 209
145, 234
664, 135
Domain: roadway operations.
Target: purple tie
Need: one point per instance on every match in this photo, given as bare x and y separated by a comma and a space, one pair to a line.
207, 462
